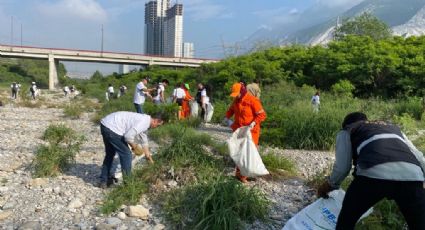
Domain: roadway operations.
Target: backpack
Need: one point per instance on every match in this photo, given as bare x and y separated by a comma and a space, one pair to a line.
32, 90
155, 92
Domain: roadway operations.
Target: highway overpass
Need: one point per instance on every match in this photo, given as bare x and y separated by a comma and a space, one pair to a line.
54, 55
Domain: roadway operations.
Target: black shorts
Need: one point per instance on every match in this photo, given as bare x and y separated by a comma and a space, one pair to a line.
179, 101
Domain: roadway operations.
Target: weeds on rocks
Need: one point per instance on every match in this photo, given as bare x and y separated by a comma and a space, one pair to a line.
128, 192
57, 156
217, 203
278, 166
73, 111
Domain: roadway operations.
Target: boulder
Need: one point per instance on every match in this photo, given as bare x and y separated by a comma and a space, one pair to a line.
138, 211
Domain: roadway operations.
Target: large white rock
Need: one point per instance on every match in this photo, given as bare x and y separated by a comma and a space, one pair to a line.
138, 211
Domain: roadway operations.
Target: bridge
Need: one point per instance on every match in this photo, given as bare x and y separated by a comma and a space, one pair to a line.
54, 55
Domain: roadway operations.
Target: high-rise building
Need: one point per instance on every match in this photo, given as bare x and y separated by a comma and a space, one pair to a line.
173, 37
188, 50
163, 28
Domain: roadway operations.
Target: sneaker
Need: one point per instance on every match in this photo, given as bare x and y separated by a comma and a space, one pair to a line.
111, 181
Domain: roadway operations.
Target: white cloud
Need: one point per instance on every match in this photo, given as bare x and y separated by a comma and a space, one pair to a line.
294, 11
338, 3
278, 15
205, 9
77, 9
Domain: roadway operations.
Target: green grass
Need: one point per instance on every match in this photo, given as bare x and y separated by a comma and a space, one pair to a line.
278, 166
218, 203
73, 111
128, 192
57, 156
205, 198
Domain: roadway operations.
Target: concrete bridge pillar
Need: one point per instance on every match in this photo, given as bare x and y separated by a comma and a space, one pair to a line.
53, 73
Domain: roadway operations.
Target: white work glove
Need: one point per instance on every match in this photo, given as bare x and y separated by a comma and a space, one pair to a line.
252, 125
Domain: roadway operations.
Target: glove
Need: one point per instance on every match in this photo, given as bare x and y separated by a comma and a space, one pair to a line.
324, 189
252, 125
138, 151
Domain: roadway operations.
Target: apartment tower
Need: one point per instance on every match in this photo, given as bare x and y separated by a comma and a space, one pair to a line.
163, 28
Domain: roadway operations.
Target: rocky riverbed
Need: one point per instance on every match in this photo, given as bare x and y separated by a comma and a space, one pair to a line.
72, 200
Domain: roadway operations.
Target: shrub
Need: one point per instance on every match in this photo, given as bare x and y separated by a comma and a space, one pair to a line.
219, 203
55, 134
73, 111
59, 154
407, 123
343, 88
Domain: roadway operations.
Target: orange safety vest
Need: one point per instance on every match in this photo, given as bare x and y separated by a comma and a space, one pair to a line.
246, 110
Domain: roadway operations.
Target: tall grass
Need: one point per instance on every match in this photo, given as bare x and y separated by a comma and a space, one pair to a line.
57, 156
218, 203
205, 198
278, 166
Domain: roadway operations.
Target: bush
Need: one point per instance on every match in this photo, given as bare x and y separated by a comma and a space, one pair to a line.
407, 123
219, 203
73, 111
59, 154
343, 88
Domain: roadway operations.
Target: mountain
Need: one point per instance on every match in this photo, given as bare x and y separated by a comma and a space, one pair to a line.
405, 17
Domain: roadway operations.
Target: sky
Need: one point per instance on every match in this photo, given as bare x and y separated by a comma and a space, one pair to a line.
76, 24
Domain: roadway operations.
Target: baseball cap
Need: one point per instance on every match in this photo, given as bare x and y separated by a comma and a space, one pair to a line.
187, 86
236, 89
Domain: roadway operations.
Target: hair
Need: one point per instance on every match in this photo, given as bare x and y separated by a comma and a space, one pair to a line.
317, 93
243, 82
353, 117
165, 81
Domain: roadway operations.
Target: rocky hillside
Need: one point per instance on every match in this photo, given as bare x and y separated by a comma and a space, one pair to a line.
72, 200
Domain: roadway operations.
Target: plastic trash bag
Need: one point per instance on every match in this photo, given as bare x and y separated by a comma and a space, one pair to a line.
321, 214
244, 153
194, 109
209, 113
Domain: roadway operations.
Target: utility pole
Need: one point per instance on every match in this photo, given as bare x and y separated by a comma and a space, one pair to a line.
101, 46
11, 31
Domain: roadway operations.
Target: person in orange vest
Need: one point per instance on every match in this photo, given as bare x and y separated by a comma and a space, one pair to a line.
186, 99
248, 111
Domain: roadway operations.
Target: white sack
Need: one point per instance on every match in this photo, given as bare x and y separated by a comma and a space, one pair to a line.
321, 214
209, 113
244, 153
194, 107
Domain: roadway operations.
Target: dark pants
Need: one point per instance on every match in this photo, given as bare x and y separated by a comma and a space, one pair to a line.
365, 192
203, 112
138, 107
14, 93
114, 143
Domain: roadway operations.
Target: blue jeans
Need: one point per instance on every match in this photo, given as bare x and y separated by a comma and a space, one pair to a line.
114, 143
139, 108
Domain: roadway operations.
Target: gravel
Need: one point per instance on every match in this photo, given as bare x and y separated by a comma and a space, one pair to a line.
72, 200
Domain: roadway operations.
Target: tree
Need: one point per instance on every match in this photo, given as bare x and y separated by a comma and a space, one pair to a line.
364, 25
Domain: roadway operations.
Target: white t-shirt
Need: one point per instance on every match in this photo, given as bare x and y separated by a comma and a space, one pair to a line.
206, 98
66, 89
110, 89
160, 89
128, 124
139, 95
315, 100
180, 94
